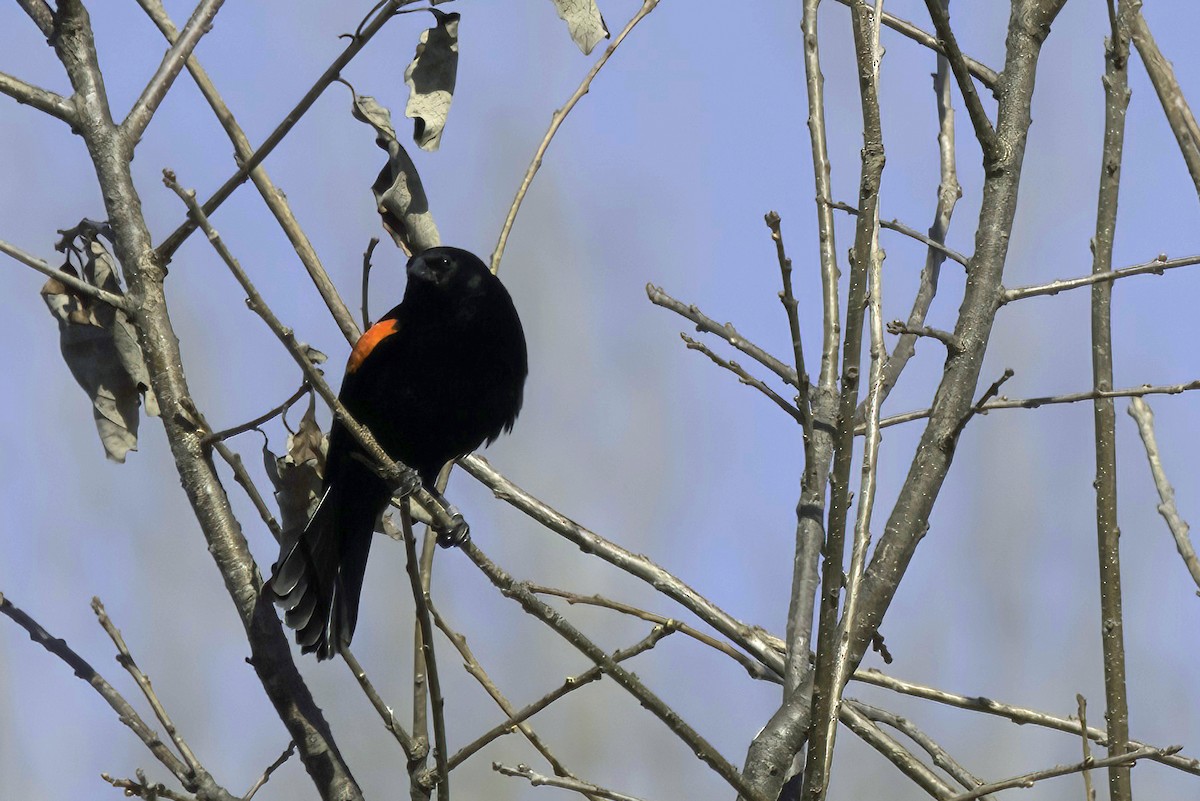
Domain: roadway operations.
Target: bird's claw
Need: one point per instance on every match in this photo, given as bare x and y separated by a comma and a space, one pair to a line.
408, 484
458, 534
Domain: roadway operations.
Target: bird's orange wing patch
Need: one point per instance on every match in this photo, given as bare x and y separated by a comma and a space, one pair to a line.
367, 342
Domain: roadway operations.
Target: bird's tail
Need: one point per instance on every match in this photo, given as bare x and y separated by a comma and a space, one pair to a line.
319, 575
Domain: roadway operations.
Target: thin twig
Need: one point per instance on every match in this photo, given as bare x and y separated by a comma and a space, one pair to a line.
266, 774
1125, 760
556, 120
1140, 411
412, 749
366, 282
472, 666
1048, 400
1089, 792
250, 425
936, 752
750, 638
1157, 267
247, 484
142, 788
948, 194
984, 132
727, 332
275, 198
1175, 106
531, 604
169, 245
891, 749
1016, 714
36, 97
125, 712
572, 683
948, 339
436, 701
746, 378
912, 233
164, 77
792, 309
538, 780
125, 660
77, 284
755, 669
983, 73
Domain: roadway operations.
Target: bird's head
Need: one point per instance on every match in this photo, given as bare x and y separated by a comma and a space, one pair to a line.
449, 272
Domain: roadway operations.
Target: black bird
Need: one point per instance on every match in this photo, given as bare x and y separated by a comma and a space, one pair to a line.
434, 379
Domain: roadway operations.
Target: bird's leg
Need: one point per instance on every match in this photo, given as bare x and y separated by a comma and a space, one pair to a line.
459, 533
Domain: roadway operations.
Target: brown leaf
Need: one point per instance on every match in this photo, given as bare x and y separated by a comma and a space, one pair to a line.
584, 22
99, 343
297, 476
399, 195
430, 78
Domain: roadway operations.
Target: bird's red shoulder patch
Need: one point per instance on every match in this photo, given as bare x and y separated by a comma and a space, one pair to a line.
367, 342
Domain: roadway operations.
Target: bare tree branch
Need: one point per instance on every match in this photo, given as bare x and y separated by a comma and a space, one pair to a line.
37, 97
275, 199
985, 74
747, 379
556, 120
1140, 411
1112, 624
1175, 106
385, 12
538, 780
1158, 266
143, 110
1125, 760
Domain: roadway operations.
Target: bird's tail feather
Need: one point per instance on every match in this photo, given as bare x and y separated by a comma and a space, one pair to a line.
318, 578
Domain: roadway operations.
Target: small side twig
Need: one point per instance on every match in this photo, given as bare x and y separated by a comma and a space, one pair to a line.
1049, 400
699, 746
366, 281
36, 97
556, 120
144, 788
1157, 266
1089, 792
250, 425
266, 774
746, 378
910, 232
945, 337
727, 332
792, 307
981, 72
755, 669
1016, 714
1029, 779
1140, 411
572, 683
77, 284
412, 749
538, 780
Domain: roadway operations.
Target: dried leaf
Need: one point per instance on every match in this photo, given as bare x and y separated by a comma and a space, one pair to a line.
584, 22
399, 195
296, 476
430, 78
99, 344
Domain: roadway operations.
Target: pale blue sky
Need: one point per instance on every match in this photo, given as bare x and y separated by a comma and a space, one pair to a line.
662, 174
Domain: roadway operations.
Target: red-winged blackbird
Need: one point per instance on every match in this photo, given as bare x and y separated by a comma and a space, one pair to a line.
433, 379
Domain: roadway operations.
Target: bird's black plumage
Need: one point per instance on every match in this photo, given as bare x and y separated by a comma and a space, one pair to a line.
435, 378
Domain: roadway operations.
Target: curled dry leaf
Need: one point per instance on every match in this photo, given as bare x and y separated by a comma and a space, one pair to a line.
430, 78
99, 343
296, 475
399, 195
584, 22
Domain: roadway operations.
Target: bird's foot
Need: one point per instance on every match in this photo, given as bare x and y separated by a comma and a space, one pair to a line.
458, 534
